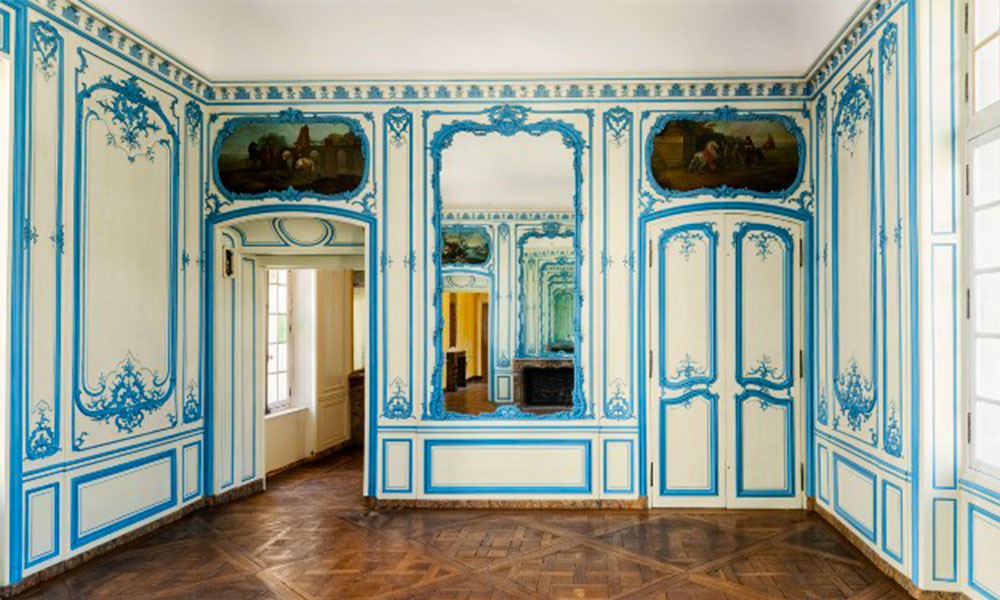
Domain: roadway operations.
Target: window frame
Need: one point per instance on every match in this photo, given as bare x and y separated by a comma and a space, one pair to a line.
982, 127
288, 402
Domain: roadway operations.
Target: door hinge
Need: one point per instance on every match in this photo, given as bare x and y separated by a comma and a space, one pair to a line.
965, 21
968, 303
650, 363
966, 87
802, 254
649, 263
802, 477
650, 475
968, 428
802, 364
967, 179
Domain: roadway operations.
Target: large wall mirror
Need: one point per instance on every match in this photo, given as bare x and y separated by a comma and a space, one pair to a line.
508, 300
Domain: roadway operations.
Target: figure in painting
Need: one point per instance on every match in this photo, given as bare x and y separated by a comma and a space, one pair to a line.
257, 159
759, 155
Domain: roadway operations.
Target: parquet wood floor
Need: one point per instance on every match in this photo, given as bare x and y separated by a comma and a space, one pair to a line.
309, 538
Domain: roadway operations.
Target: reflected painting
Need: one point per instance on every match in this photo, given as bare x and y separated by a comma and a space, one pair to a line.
465, 245
319, 158
758, 155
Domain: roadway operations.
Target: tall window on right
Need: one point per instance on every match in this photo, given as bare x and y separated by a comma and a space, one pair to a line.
983, 233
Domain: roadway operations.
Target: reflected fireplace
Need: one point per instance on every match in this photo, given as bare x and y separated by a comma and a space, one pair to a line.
543, 385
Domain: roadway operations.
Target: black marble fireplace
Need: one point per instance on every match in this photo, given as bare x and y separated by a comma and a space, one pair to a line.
543, 385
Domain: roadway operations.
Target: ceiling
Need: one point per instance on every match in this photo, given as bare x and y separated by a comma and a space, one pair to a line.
245, 40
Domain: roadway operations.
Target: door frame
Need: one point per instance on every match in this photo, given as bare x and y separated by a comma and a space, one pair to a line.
211, 225
807, 219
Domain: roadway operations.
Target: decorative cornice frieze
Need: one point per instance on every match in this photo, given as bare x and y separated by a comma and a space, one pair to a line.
117, 38
849, 42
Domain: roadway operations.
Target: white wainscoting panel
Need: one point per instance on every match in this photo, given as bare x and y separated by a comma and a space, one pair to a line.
619, 466
42, 535
397, 465
854, 496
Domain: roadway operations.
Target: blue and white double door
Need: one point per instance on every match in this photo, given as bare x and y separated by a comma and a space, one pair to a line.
725, 331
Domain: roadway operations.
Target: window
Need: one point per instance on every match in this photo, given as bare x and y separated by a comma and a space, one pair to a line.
983, 235
279, 390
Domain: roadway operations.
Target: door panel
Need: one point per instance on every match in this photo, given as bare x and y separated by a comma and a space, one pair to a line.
724, 313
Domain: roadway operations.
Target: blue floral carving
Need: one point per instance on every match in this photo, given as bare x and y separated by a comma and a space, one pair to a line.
687, 368
129, 112
504, 360
398, 121
821, 113
762, 243
687, 239
126, 395
397, 405
855, 394
617, 405
46, 46
41, 441
855, 109
888, 47
192, 404
893, 442
764, 369
617, 121
193, 117
823, 409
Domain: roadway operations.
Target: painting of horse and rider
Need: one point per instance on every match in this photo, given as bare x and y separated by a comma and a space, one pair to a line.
758, 155
261, 157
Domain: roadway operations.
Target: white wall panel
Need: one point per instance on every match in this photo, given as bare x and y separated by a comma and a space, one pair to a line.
504, 466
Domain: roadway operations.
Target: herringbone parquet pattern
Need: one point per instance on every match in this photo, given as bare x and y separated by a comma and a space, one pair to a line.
308, 538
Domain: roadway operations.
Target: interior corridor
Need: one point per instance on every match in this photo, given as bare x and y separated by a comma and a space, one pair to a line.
310, 537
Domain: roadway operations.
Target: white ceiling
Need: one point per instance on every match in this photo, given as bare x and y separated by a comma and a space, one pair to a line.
319, 39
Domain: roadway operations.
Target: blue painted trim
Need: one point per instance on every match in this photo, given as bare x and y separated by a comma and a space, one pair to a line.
631, 467
954, 540
950, 482
286, 240
430, 488
760, 375
409, 481
295, 117
209, 272
31, 561
861, 454
766, 401
78, 538
991, 495
970, 556
4, 32
688, 372
723, 113
18, 341
199, 471
713, 450
896, 556
253, 368
867, 532
823, 456
913, 176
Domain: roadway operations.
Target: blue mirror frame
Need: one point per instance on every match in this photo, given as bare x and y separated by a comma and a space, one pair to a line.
506, 120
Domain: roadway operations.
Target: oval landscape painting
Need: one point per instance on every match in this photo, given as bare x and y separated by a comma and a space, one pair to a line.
263, 157
759, 155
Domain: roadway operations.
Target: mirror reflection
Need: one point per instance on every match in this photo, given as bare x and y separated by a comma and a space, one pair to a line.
509, 295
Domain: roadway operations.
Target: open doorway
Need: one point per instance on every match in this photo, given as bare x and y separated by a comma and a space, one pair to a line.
466, 343
313, 376
291, 344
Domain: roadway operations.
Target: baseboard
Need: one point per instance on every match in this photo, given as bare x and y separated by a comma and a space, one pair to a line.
9, 591
475, 504
880, 563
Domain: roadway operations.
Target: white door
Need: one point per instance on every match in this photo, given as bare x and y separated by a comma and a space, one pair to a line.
725, 332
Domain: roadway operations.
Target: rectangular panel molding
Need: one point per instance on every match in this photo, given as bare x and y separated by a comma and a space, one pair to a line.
984, 547
508, 466
397, 466
855, 496
42, 519
109, 500
619, 466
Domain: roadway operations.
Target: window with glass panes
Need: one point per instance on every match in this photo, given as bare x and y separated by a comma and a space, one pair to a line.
278, 338
983, 234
